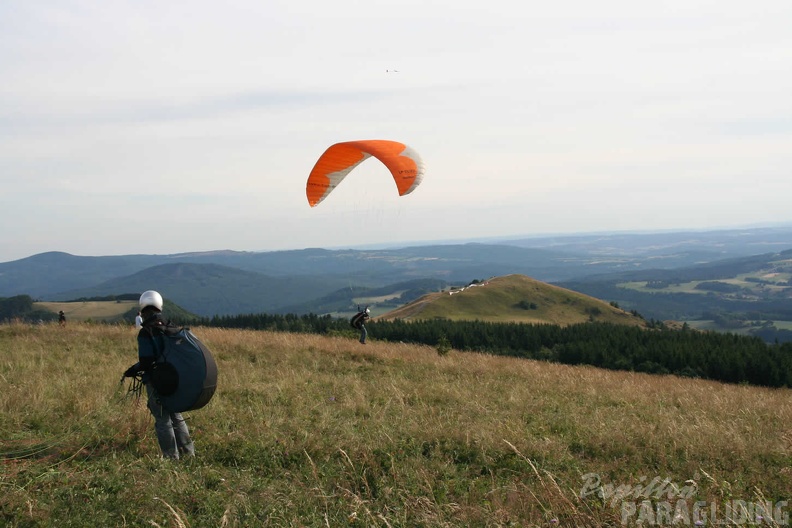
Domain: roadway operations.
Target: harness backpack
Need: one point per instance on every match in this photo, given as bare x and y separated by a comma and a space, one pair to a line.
184, 373
357, 320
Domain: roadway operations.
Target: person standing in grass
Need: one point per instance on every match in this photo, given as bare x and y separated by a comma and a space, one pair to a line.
138, 321
173, 435
359, 321
61, 318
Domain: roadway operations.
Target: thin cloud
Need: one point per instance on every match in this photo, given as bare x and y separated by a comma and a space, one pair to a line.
565, 116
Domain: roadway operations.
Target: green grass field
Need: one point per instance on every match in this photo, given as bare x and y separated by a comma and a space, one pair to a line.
772, 282
109, 311
309, 430
708, 324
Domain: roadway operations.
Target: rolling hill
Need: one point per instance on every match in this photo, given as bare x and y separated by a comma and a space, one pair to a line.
664, 276
211, 289
750, 295
548, 258
513, 298
53, 274
345, 302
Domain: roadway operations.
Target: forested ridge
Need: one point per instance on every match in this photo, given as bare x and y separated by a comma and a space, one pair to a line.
723, 357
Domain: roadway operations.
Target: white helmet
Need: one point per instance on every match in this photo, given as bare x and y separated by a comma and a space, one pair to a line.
151, 298
367, 310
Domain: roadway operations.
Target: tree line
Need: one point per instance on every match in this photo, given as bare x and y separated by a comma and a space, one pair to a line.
716, 356
723, 357
21, 307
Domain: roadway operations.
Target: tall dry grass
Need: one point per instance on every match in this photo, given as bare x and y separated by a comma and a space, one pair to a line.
309, 430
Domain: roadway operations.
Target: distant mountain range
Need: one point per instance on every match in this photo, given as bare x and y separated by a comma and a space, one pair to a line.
334, 281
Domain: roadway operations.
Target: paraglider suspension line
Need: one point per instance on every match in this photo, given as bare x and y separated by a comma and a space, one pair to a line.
136, 388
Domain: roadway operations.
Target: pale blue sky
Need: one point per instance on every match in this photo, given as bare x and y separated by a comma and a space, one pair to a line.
165, 127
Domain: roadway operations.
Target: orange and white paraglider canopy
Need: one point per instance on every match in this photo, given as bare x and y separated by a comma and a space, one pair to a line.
340, 159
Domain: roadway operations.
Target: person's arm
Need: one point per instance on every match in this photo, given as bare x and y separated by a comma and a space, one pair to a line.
146, 354
146, 349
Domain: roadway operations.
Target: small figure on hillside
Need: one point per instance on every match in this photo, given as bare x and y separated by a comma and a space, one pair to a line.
173, 435
359, 321
61, 318
138, 321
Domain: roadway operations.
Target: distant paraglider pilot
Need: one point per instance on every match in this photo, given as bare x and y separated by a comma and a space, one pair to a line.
359, 321
173, 435
61, 318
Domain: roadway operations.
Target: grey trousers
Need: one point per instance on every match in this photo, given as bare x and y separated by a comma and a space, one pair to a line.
172, 432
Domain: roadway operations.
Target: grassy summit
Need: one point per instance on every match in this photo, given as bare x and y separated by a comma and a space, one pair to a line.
514, 298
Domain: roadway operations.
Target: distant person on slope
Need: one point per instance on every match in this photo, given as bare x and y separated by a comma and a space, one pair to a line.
61, 318
173, 435
359, 321
138, 321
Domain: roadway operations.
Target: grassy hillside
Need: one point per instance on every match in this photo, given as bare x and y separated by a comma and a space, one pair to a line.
514, 298
319, 431
107, 311
112, 311
345, 302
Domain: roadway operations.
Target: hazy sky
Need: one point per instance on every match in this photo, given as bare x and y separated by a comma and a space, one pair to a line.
164, 127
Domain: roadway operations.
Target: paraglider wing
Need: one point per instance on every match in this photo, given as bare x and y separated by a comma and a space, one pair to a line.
340, 159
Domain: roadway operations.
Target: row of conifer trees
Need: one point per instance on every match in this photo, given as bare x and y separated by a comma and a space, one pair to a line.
717, 356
